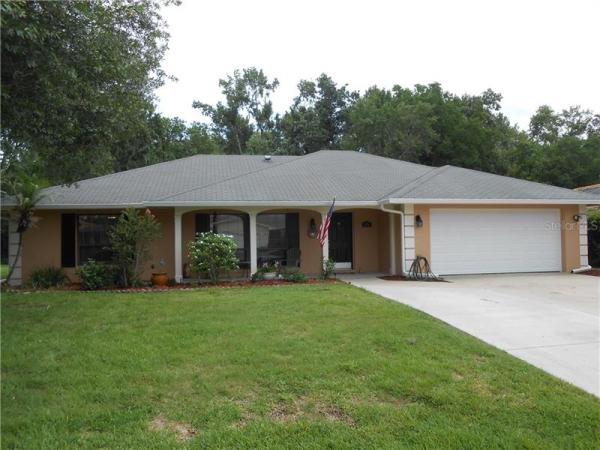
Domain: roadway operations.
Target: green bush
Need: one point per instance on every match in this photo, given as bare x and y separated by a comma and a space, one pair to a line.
47, 277
130, 241
295, 277
327, 268
95, 275
594, 237
212, 253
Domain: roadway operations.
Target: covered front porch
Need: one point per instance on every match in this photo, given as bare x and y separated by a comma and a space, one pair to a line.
361, 240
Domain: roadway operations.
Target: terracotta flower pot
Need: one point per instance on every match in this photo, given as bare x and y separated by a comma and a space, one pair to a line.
159, 279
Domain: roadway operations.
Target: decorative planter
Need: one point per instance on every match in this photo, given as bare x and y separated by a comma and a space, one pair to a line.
159, 279
269, 275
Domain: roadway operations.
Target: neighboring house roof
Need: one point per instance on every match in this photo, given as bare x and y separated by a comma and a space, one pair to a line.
593, 189
351, 177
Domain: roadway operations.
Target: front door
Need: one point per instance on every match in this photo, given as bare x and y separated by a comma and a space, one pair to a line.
340, 240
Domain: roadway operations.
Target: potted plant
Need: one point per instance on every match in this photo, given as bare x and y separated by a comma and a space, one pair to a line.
160, 278
269, 271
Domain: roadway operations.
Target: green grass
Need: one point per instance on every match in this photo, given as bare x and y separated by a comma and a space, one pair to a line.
304, 366
3, 271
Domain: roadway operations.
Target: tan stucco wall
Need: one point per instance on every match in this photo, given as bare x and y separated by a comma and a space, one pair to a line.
42, 243
309, 247
368, 243
569, 229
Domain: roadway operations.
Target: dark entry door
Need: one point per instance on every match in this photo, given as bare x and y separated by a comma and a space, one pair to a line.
340, 239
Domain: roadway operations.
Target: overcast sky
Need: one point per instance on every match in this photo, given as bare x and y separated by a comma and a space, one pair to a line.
532, 52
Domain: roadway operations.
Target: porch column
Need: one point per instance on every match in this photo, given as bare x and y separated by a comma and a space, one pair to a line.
253, 245
178, 246
392, 219
326, 243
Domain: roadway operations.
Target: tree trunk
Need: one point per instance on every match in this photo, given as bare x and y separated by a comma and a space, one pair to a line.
14, 264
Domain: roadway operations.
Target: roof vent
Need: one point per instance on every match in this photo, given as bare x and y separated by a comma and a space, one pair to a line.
267, 158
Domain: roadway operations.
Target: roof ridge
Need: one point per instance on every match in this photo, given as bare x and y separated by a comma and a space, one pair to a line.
271, 166
517, 179
412, 185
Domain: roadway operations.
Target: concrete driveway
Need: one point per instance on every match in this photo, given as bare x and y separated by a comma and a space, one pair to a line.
549, 320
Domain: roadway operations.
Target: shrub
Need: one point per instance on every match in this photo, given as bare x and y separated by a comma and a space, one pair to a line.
130, 241
95, 275
212, 253
594, 237
327, 268
295, 277
257, 276
47, 277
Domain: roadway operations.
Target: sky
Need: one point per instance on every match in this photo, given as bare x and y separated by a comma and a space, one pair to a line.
532, 52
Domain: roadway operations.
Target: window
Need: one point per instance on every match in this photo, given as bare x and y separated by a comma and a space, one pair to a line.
235, 225
278, 238
92, 237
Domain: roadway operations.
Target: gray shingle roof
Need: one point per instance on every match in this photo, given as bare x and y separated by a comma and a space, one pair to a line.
449, 182
314, 178
594, 189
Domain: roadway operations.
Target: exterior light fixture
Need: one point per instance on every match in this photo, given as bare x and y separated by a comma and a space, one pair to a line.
418, 221
312, 229
576, 217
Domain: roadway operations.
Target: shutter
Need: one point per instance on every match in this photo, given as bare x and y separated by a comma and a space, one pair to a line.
292, 230
68, 248
246, 220
202, 223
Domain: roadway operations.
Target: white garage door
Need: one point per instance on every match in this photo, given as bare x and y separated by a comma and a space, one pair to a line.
467, 241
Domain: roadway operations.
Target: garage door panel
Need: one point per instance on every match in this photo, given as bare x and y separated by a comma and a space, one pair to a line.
495, 240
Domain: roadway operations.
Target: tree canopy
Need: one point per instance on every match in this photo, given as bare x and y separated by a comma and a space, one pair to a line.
78, 100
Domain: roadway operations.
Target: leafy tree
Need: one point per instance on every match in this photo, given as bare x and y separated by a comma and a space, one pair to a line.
130, 241
318, 117
173, 139
213, 253
562, 149
247, 109
384, 123
78, 80
25, 191
431, 126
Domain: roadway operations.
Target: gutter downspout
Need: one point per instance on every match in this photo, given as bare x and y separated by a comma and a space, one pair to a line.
402, 246
582, 269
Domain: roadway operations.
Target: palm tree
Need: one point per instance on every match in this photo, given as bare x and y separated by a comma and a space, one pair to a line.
26, 195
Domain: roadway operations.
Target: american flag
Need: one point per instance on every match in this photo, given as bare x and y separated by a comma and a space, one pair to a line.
324, 228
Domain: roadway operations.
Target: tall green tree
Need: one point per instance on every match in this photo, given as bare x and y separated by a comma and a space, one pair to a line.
78, 81
431, 126
317, 118
247, 109
388, 123
561, 148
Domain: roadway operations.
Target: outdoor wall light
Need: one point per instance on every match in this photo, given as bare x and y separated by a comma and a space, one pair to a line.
418, 221
576, 217
367, 224
312, 229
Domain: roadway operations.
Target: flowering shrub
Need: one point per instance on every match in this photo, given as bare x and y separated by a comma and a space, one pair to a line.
130, 241
212, 253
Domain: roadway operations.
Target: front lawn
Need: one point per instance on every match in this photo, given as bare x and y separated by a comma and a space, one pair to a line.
3, 271
304, 366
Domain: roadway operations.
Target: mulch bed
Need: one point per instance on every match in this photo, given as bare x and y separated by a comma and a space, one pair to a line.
184, 286
593, 272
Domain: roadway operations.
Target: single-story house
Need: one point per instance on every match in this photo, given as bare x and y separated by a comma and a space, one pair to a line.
387, 213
